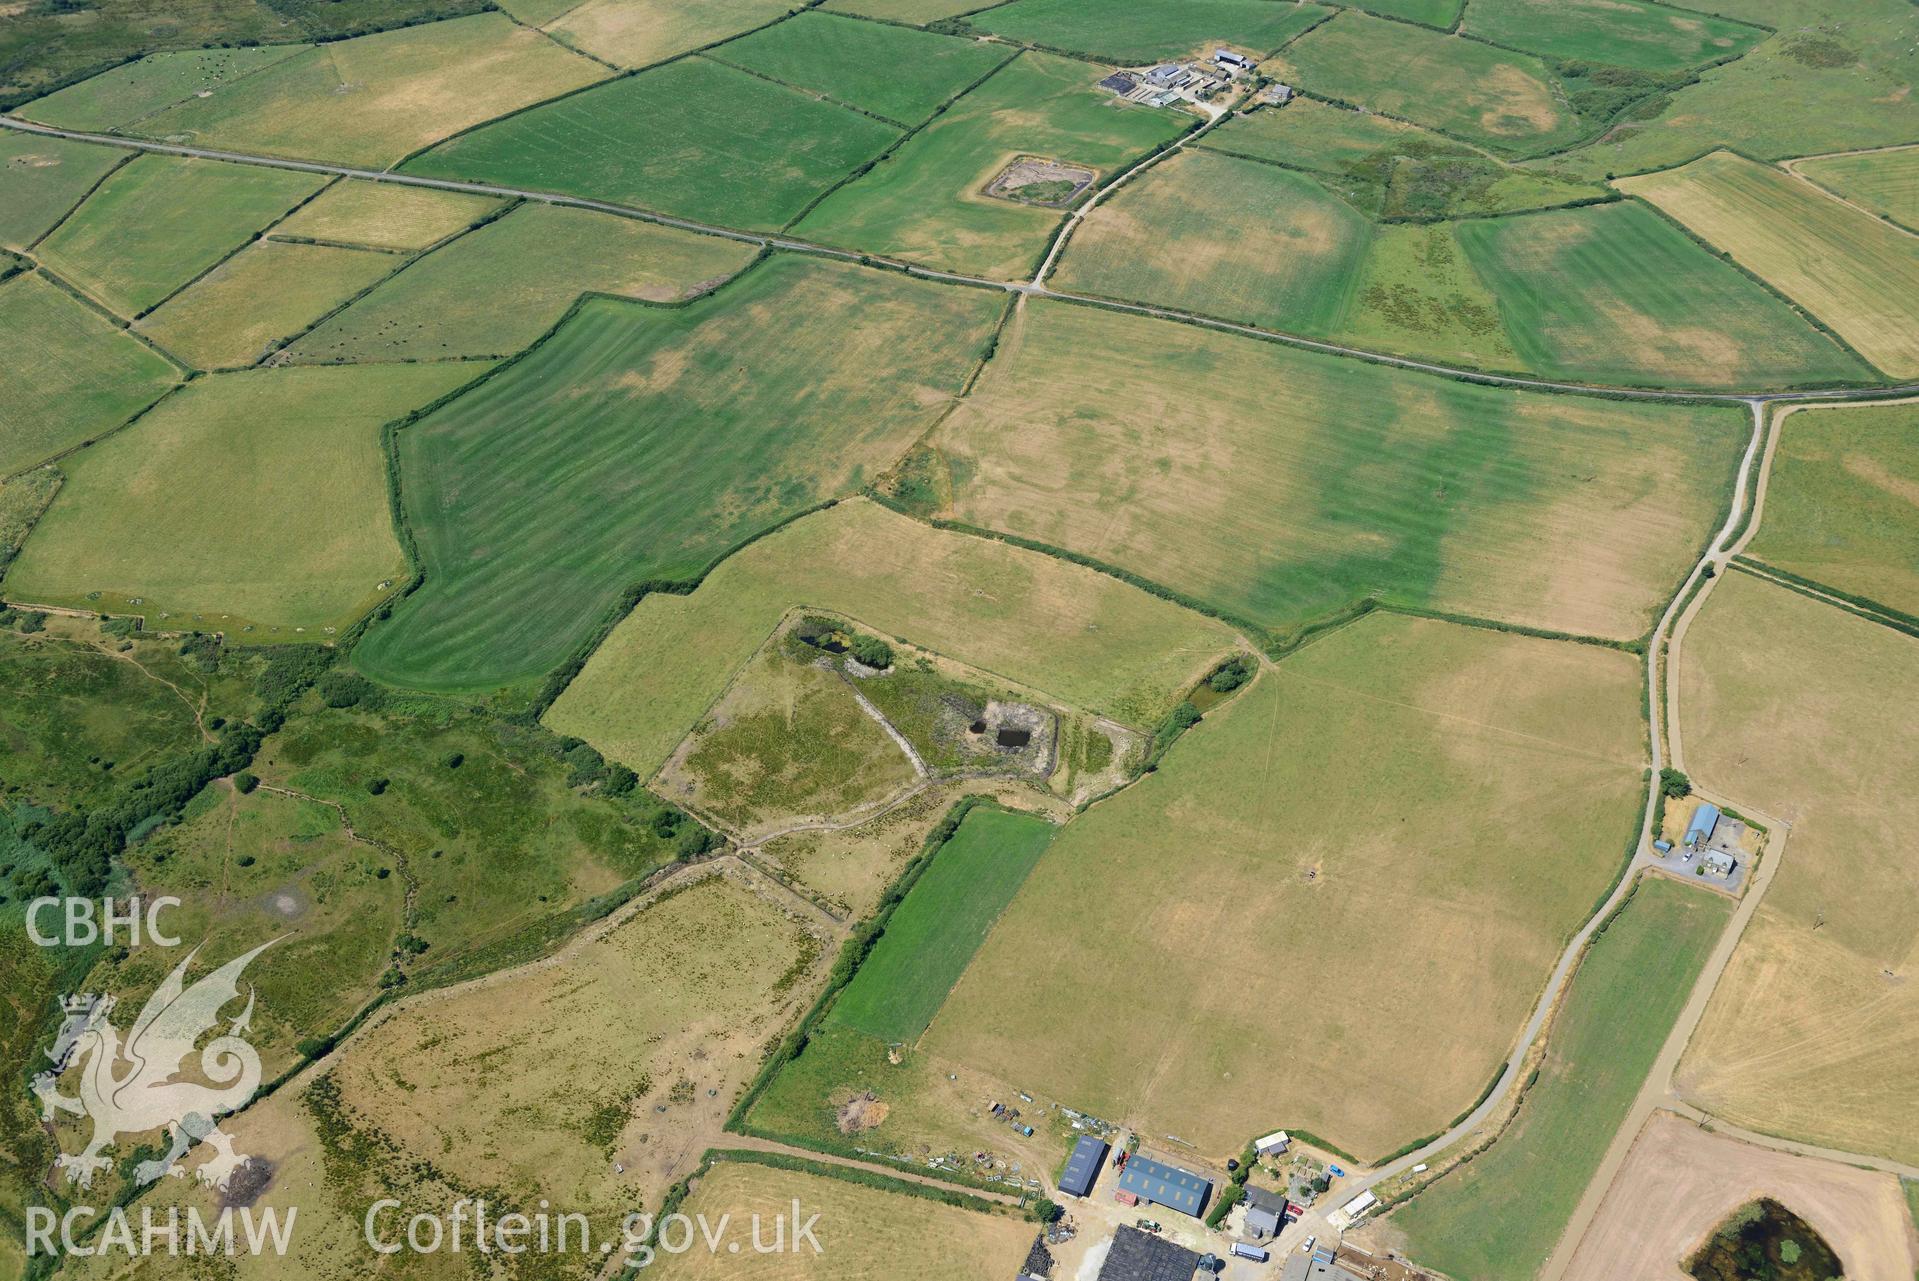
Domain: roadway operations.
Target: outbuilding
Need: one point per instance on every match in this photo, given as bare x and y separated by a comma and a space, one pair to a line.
1083, 1166
1277, 1141
1704, 820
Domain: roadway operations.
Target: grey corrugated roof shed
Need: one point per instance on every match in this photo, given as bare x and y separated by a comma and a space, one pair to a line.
1166, 1185
1082, 1168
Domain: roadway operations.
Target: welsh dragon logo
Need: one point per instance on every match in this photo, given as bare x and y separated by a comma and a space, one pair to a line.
135, 1085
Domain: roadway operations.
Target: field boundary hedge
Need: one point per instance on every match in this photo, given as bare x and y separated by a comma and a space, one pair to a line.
1863, 607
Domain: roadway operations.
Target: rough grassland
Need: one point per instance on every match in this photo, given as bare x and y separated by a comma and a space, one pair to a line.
1224, 237
693, 138
69, 374
1503, 99
1433, 13
384, 215
895, 72
1846, 267
493, 292
638, 34
158, 222
263, 295
927, 200
375, 99
1842, 502
642, 443
932, 936
1311, 135
1085, 637
867, 1233
1135, 31
1497, 1217
1621, 33
255, 497
1321, 481
1886, 182
128, 94
1365, 791
41, 179
918, 12
1617, 294
1802, 710
1420, 296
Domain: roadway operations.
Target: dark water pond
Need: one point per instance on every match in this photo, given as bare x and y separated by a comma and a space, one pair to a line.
1764, 1241
1015, 737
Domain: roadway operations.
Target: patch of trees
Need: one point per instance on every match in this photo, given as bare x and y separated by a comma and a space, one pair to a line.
1674, 785
1231, 674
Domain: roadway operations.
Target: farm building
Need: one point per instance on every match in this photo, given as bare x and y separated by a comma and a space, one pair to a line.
1227, 58
1167, 1185
1277, 94
1704, 820
1120, 82
1265, 1213
1141, 1256
1277, 1141
1719, 863
1321, 1265
1083, 1166
1165, 75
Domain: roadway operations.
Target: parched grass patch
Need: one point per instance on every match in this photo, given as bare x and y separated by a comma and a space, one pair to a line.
1371, 786
928, 202
1319, 481
493, 292
1507, 100
1842, 502
385, 215
693, 138
1616, 294
41, 179
130, 93
70, 373
1133, 31
260, 297
1419, 295
1220, 236
252, 503
159, 221
1886, 182
1499, 1215
1846, 267
916, 12
893, 71
1621, 33
639, 33
932, 936
1801, 709
1088, 638
373, 100
641, 443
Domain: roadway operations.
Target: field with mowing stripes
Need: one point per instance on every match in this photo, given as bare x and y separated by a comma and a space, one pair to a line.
932, 936
493, 292
41, 179
693, 138
1320, 481
1220, 236
128, 94
1886, 182
158, 222
1849, 269
640, 443
69, 375
384, 215
1621, 33
1135, 31
1617, 294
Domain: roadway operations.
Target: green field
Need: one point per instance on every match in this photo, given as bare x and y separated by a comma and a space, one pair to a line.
1886, 182
384, 215
1382, 783
1432, 13
1617, 294
1419, 296
1308, 134
692, 138
669, 434
376, 99
927, 200
158, 222
255, 502
126, 95
895, 72
1842, 502
1622, 33
1511, 101
1084, 637
1319, 481
70, 374
1497, 1217
1220, 236
917, 12
932, 936
237, 313
41, 179
1135, 31
493, 292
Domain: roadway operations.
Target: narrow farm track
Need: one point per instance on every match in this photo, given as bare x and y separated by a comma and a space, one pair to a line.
1028, 288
